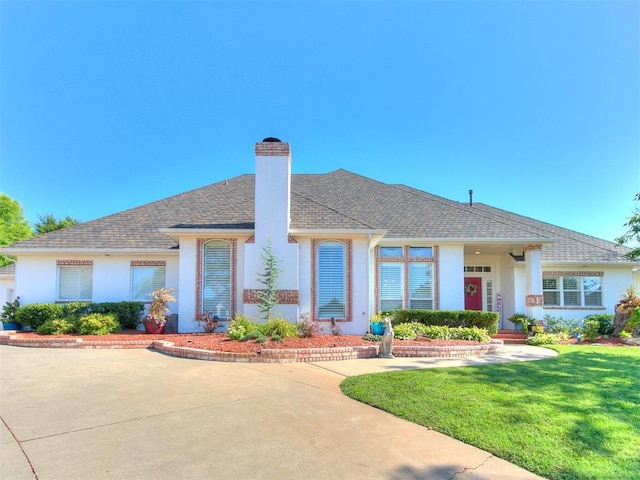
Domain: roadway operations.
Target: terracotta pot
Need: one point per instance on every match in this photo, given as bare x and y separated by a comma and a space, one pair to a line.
153, 327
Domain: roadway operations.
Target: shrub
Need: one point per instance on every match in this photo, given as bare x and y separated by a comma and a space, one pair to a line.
307, 327
57, 326
559, 325
240, 326
97, 324
411, 330
469, 333
448, 318
77, 309
591, 329
129, 314
370, 337
35, 314
404, 331
537, 329
276, 338
255, 335
547, 339
605, 322
278, 326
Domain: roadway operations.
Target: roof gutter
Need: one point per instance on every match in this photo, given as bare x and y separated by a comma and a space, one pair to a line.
105, 251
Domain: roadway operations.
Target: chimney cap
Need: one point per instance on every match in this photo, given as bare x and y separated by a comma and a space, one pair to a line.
272, 139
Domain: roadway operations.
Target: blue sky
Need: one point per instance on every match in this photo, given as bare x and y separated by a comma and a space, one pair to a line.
107, 105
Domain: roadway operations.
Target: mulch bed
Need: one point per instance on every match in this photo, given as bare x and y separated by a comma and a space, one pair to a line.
219, 342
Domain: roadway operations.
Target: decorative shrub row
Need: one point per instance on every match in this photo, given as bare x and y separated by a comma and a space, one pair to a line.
447, 318
89, 324
411, 330
34, 315
242, 328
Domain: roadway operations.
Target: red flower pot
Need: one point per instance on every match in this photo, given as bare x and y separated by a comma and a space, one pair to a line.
153, 327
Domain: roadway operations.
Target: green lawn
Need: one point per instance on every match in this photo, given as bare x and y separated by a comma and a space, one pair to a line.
575, 416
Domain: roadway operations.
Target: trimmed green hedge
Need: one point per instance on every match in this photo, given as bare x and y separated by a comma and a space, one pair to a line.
447, 318
34, 315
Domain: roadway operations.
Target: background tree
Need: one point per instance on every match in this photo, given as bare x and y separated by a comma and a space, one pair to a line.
633, 233
49, 223
13, 225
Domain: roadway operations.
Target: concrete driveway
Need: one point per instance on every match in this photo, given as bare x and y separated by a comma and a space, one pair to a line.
138, 414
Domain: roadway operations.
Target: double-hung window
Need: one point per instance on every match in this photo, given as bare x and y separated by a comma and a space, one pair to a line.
145, 278
572, 291
331, 280
75, 282
216, 278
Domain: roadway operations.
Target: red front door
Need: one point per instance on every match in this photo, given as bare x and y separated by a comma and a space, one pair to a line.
473, 293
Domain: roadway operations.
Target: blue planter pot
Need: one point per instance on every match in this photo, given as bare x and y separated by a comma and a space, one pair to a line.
12, 325
377, 328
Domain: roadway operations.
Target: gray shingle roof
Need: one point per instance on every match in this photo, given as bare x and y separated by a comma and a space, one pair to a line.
335, 200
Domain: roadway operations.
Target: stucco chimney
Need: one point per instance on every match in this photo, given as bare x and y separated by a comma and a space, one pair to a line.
273, 191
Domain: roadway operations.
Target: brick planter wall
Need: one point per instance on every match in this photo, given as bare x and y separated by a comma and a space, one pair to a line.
265, 356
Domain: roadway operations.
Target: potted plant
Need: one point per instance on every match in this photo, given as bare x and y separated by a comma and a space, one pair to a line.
523, 321
8, 315
155, 321
377, 324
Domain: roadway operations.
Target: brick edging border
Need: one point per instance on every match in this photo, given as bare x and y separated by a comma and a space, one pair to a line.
267, 355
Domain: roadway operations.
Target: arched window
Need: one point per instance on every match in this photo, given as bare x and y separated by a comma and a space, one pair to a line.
331, 278
216, 278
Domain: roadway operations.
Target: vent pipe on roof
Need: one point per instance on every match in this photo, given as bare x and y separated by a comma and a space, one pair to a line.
471, 198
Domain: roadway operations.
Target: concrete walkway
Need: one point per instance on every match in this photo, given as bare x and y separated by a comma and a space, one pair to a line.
138, 414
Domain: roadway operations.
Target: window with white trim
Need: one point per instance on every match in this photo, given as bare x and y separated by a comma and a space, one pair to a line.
420, 286
405, 280
216, 278
146, 279
391, 279
572, 291
75, 283
331, 280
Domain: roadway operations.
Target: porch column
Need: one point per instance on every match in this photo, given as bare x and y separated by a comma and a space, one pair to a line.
533, 280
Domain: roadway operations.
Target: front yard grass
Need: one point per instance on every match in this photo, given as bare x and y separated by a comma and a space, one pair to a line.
574, 416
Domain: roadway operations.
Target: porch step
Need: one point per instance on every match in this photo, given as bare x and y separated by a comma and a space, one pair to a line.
512, 337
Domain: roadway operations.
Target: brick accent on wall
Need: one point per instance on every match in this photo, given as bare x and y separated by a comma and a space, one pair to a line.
148, 263
572, 274
272, 149
534, 301
74, 263
284, 297
532, 247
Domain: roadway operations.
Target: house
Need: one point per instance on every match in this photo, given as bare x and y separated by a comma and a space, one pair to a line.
347, 246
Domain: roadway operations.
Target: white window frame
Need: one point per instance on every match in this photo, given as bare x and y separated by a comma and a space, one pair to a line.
216, 301
394, 290
155, 275
400, 290
564, 294
75, 283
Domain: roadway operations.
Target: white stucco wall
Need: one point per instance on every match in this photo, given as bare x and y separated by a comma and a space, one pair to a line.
36, 276
451, 277
7, 289
614, 283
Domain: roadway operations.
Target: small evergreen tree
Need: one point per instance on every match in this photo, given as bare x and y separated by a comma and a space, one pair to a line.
268, 297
